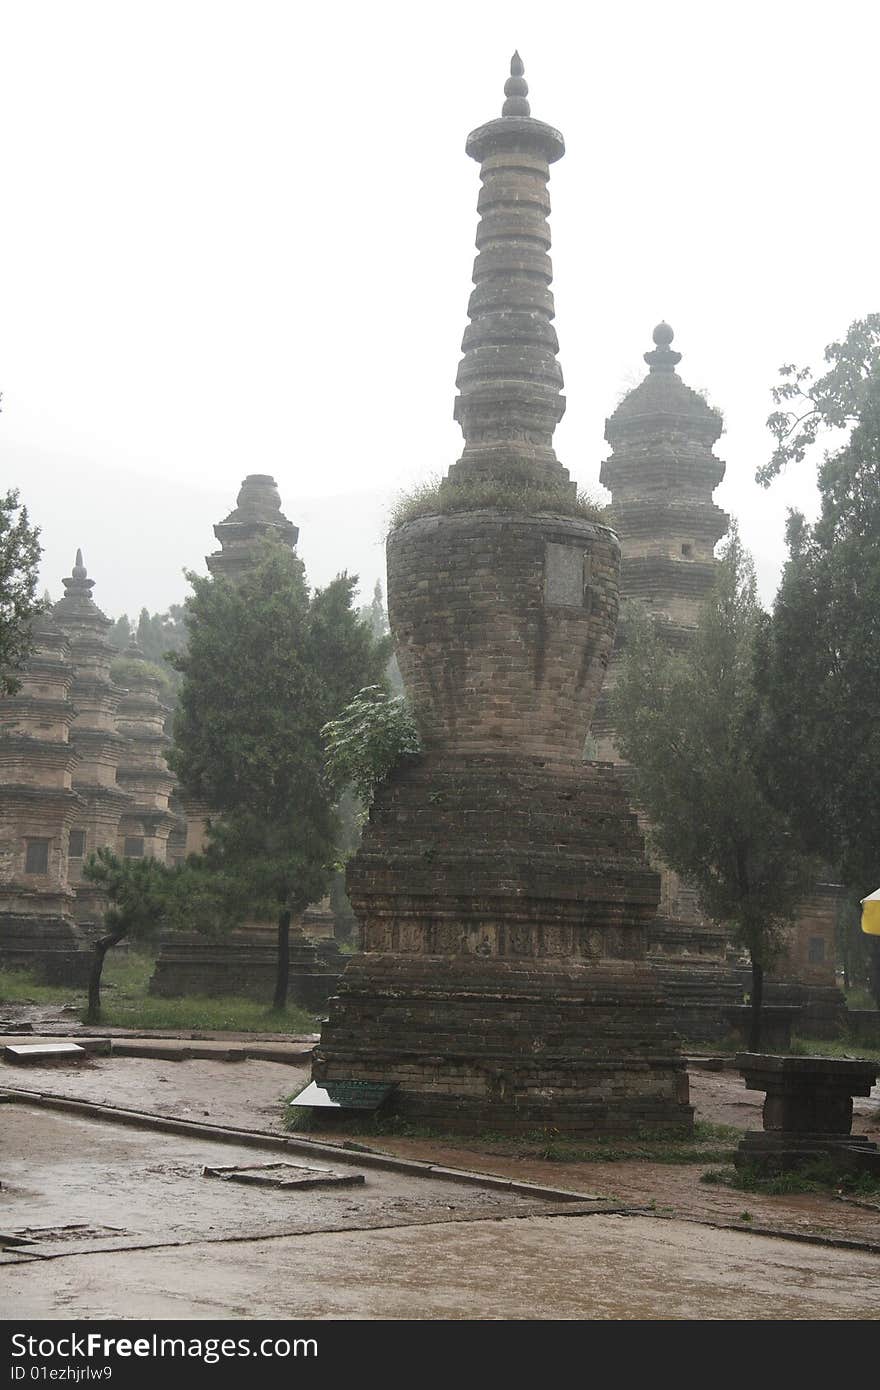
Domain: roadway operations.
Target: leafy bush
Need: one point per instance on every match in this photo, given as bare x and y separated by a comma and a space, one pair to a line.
368, 739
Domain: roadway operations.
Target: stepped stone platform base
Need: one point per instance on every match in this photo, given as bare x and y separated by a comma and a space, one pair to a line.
244, 963
502, 985
823, 1012
822, 1007
53, 948
807, 1112
697, 991
782, 1153
777, 1022
864, 1024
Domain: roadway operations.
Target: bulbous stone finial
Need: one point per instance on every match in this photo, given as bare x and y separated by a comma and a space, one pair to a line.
79, 569
516, 89
663, 358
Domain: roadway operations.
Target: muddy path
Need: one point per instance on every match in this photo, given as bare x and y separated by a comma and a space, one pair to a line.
250, 1094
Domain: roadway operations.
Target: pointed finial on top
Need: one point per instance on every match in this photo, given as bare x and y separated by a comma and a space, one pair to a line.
516, 89
78, 585
663, 358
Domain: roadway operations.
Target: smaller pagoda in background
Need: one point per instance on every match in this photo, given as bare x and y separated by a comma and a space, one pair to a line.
148, 820
256, 517
38, 806
94, 735
662, 473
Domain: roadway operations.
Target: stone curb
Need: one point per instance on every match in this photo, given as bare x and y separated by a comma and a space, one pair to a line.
864, 1247
257, 1139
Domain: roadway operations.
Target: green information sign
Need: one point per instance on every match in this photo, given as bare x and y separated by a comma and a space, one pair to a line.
344, 1095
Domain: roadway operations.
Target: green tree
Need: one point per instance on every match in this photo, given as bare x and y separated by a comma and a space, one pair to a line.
146, 897
686, 721
20, 553
819, 658
840, 398
141, 894
266, 667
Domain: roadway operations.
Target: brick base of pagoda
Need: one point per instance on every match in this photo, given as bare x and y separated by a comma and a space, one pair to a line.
502, 984
54, 948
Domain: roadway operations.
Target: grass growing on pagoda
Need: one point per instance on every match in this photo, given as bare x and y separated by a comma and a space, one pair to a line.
442, 497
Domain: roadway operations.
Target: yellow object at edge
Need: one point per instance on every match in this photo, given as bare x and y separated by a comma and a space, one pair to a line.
871, 914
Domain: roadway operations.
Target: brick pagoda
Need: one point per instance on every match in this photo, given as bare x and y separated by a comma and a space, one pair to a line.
38, 807
662, 473
501, 888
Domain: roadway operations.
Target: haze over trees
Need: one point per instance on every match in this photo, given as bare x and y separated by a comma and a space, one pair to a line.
20, 552
819, 657
266, 667
686, 721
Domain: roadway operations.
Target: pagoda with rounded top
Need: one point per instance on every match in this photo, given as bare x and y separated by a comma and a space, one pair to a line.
501, 887
256, 516
662, 473
93, 734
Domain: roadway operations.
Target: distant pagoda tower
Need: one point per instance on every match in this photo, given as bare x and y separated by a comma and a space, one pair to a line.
662, 473
94, 734
501, 886
142, 772
257, 516
38, 806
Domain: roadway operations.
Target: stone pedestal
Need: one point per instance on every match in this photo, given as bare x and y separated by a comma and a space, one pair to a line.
807, 1112
502, 984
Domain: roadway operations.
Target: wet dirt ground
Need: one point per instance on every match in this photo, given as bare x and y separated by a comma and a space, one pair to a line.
692, 1250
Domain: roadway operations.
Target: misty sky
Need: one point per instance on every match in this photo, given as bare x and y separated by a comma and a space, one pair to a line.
238, 237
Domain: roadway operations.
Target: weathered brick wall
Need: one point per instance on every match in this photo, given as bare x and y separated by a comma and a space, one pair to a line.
503, 626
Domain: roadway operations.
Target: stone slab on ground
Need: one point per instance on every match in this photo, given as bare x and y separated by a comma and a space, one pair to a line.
177, 1049
39, 1053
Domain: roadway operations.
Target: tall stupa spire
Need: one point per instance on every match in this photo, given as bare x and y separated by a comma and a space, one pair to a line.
510, 383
